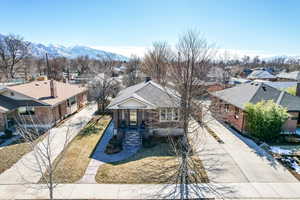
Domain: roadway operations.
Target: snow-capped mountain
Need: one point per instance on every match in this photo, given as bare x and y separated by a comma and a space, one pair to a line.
39, 50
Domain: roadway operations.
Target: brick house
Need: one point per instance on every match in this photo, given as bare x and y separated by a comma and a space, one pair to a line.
148, 105
231, 103
43, 103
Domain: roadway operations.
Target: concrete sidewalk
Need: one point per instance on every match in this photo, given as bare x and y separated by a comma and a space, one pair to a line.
151, 191
25, 170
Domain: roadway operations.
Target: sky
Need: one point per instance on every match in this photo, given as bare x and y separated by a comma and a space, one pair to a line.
257, 27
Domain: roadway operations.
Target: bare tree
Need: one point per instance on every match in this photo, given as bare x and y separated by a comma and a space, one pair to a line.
194, 56
132, 76
101, 89
45, 162
13, 49
82, 64
156, 62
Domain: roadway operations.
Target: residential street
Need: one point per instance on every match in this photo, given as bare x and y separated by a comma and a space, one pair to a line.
25, 170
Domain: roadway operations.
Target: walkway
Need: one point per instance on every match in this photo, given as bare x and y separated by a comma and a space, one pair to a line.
240, 160
152, 191
25, 170
99, 157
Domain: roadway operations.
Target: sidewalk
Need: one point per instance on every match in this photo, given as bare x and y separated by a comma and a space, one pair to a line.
151, 191
25, 171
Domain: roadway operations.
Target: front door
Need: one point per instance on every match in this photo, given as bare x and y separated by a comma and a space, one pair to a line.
133, 118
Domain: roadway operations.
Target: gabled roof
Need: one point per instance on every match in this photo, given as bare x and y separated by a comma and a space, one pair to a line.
256, 92
291, 75
40, 91
150, 93
261, 74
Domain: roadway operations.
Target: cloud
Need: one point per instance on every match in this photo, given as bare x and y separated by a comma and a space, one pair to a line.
221, 53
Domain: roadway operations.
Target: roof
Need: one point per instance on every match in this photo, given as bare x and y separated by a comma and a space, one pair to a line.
256, 92
8, 104
40, 91
282, 85
149, 93
261, 74
291, 75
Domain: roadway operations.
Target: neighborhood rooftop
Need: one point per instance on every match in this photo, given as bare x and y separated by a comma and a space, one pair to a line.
261, 74
255, 92
291, 75
40, 90
148, 92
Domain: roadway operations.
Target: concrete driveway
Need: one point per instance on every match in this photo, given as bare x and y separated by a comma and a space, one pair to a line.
238, 160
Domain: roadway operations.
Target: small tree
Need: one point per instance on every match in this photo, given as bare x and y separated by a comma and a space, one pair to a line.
291, 90
265, 119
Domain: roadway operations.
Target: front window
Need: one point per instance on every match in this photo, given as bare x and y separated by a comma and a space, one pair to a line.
71, 101
28, 110
169, 114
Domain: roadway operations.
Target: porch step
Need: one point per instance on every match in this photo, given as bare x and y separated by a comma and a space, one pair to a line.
132, 140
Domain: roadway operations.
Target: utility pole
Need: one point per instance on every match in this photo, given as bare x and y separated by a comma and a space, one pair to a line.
48, 67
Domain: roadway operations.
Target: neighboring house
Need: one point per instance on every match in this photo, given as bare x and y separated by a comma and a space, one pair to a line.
231, 103
290, 76
43, 103
147, 105
237, 81
261, 74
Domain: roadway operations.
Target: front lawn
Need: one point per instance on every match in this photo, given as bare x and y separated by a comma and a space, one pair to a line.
149, 166
77, 156
9, 155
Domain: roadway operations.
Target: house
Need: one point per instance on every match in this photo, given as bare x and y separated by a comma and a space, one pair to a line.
147, 105
237, 81
43, 103
231, 103
261, 74
290, 76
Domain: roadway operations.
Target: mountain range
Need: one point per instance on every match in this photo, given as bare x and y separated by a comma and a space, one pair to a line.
39, 50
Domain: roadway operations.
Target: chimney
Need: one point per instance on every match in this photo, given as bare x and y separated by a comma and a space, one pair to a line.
53, 89
298, 89
147, 79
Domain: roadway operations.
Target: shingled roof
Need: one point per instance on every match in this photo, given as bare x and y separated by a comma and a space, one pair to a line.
291, 75
150, 93
256, 92
261, 74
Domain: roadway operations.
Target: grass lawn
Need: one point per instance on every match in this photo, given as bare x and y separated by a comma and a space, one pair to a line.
9, 155
149, 166
77, 156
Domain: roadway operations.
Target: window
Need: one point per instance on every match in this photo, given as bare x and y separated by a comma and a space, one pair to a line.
169, 114
71, 101
28, 110
226, 107
236, 111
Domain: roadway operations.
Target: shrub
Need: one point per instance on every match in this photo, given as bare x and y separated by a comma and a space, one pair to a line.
291, 90
8, 133
265, 120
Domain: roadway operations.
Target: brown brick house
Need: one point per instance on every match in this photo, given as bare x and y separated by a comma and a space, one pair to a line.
149, 105
230, 103
41, 102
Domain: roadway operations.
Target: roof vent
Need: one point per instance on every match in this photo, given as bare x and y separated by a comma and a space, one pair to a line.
264, 88
36, 84
147, 79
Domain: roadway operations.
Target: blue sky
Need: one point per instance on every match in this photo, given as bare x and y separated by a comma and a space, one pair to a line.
266, 27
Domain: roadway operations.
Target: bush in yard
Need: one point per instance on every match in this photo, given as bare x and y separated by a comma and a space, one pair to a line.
265, 120
8, 133
291, 90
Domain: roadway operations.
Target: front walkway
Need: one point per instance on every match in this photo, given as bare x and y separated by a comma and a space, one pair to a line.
153, 191
99, 156
25, 170
240, 160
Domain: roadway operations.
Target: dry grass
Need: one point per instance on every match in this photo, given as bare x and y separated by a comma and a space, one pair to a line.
9, 155
149, 166
77, 156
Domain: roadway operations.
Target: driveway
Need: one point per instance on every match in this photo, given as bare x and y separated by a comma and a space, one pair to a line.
238, 160
26, 169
